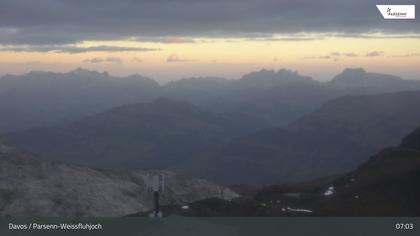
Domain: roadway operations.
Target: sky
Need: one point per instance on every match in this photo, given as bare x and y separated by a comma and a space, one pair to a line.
172, 39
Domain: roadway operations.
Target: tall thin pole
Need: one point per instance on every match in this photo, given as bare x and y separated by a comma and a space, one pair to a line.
156, 202
155, 184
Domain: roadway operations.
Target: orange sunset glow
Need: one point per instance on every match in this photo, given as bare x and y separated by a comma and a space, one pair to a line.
230, 57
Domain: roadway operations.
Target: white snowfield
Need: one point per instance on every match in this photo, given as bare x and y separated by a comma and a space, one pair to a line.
299, 210
30, 187
329, 191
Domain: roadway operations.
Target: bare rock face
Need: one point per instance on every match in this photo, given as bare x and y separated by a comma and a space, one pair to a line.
30, 187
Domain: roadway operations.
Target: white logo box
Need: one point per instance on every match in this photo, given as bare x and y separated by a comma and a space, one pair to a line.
398, 12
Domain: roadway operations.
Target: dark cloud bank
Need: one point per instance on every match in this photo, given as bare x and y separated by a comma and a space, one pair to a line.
38, 22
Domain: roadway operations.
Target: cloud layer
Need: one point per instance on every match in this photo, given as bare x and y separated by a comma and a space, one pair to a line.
175, 58
374, 53
95, 60
68, 21
73, 49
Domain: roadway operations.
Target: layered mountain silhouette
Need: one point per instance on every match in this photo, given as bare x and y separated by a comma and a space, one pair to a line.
337, 137
277, 98
30, 187
269, 98
267, 127
359, 79
270, 78
41, 99
340, 135
160, 134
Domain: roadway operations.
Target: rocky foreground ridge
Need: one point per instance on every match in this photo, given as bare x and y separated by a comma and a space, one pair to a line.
30, 187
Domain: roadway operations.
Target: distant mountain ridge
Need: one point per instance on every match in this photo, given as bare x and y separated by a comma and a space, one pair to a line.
336, 138
276, 131
277, 98
358, 78
40, 99
270, 98
159, 134
271, 78
168, 134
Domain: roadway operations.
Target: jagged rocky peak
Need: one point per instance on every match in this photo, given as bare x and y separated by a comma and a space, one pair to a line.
135, 76
269, 78
354, 71
359, 78
350, 75
282, 74
87, 73
42, 74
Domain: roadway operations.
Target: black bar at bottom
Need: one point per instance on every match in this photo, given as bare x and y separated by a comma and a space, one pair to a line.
215, 226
